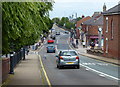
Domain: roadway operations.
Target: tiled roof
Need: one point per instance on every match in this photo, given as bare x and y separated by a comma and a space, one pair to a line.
98, 21
114, 10
82, 20
95, 20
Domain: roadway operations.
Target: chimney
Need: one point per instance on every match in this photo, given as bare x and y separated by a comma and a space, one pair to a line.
104, 7
83, 16
118, 2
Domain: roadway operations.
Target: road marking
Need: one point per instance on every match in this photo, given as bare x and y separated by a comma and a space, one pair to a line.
88, 63
102, 75
56, 48
46, 76
41, 47
69, 45
99, 72
57, 41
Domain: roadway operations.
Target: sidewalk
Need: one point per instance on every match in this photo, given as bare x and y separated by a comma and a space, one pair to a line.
27, 72
82, 51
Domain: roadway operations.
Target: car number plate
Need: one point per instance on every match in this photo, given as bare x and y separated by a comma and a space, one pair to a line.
70, 63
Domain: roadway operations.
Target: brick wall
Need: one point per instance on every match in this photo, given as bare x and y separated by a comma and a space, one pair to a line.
118, 37
93, 30
5, 68
112, 42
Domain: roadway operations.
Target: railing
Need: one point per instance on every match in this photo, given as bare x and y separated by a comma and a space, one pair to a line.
15, 58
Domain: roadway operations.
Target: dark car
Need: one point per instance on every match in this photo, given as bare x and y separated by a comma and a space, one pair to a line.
50, 49
67, 32
53, 37
57, 33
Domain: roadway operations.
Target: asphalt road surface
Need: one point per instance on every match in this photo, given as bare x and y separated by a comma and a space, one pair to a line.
70, 75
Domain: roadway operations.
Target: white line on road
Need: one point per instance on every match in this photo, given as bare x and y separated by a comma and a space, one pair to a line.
100, 73
56, 48
57, 41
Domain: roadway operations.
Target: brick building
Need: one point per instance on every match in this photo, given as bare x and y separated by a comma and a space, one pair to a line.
81, 21
111, 32
91, 28
81, 27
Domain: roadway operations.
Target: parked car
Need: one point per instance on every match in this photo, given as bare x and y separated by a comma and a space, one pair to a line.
50, 41
67, 32
67, 58
53, 37
57, 33
50, 49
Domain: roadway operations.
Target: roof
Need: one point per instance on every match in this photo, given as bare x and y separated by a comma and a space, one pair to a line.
96, 19
113, 10
82, 20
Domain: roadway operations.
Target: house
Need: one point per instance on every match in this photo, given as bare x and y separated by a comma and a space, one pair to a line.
81, 28
91, 27
111, 32
78, 24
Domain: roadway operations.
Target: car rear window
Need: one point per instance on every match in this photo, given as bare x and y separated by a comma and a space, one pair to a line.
50, 47
68, 53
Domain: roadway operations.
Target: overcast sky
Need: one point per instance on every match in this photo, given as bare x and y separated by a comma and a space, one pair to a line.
65, 8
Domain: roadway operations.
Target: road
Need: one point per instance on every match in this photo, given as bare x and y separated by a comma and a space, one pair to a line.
72, 76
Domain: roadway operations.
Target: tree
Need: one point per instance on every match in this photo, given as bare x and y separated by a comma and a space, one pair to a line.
56, 20
23, 22
63, 21
79, 18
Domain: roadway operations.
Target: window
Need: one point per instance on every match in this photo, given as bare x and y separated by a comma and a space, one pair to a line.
106, 24
68, 53
112, 28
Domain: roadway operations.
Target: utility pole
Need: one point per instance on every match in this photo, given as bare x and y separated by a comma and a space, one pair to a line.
100, 36
76, 15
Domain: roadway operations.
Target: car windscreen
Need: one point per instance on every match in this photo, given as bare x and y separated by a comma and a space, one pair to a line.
68, 53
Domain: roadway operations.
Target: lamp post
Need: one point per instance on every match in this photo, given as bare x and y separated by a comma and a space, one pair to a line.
100, 36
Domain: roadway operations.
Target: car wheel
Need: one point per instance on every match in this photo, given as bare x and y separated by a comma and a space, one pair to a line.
77, 66
60, 67
57, 66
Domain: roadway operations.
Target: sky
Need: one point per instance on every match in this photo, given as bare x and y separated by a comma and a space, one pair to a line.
66, 8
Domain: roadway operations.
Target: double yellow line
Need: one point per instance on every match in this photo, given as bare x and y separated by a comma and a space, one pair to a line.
46, 76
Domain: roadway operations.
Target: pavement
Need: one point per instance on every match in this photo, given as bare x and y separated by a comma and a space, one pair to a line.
83, 51
27, 72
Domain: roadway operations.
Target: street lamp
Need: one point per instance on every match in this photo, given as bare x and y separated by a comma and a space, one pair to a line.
100, 36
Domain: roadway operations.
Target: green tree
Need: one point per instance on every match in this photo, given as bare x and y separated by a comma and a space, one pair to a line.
63, 21
56, 20
79, 18
22, 23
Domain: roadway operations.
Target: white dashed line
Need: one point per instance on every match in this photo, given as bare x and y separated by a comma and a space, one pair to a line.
99, 72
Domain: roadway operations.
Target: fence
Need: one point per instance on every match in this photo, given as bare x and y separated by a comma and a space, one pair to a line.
15, 59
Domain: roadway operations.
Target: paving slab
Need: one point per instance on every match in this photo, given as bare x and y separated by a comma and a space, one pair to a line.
27, 72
